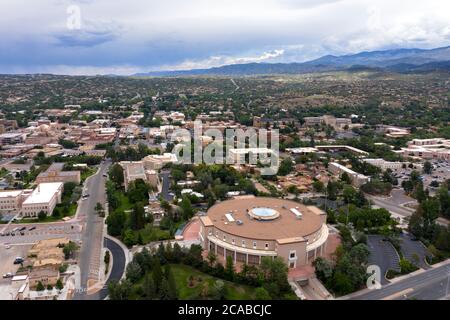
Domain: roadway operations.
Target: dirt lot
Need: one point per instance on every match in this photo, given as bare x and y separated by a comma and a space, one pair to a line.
7, 257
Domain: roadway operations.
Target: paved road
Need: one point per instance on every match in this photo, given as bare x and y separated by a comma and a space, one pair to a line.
382, 254
117, 271
393, 205
93, 231
432, 284
165, 192
389, 205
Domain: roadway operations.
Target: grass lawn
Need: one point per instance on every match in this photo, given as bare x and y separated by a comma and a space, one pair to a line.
151, 233
182, 273
49, 219
87, 173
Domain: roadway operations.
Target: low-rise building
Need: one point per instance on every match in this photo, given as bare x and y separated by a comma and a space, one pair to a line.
135, 170
55, 173
384, 165
12, 138
437, 148
239, 155
157, 162
356, 178
11, 201
44, 198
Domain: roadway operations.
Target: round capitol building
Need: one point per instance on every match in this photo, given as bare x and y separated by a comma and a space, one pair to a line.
249, 228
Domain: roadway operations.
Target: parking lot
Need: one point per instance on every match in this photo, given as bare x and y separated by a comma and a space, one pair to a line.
36, 232
382, 254
7, 257
413, 251
441, 173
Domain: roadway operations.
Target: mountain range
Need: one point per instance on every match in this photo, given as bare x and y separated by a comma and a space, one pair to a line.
396, 60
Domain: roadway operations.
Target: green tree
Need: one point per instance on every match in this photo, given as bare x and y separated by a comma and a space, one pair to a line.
137, 217
427, 167
119, 290
134, 272
148, 287
262, 294
186, 206
40, 287
229, 268
116, 175
42, 215
69, 249
286, 167
172, 287
157, 275
59, 285
318, 186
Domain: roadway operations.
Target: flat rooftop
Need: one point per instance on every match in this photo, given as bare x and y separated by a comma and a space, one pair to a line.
10, 194
43, 193
286, 226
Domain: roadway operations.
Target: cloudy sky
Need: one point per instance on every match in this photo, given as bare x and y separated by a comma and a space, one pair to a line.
129, 36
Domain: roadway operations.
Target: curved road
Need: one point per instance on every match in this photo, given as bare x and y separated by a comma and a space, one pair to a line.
118, 268
117, 271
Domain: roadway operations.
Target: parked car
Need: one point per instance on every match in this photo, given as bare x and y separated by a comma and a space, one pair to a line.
8, 275
18, 260
32, 228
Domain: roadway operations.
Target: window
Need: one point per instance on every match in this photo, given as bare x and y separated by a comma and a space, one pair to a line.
254, 244
243, 243
225, 238
292, 254
267, 246
232, 241
210, 232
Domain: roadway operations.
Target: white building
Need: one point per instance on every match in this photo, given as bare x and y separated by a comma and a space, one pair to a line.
384, 165
437, 148
44, 198
239, 155
357, 178
11, 201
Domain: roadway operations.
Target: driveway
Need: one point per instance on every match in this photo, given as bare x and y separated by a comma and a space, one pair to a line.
165, 192
382, 254
412, 250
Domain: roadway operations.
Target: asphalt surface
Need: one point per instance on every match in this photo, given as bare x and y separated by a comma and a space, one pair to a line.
165, 192
432, 284
95, 187
411, 248
382, 254
117, 271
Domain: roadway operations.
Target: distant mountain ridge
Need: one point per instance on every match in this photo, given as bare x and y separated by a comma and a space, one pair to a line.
396, 60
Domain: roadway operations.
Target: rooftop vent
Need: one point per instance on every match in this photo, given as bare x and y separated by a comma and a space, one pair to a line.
297, 213
229, 217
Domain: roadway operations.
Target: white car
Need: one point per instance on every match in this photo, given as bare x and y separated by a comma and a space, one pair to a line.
8, 275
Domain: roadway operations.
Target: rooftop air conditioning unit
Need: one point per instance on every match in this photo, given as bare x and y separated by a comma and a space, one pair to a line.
239, 222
